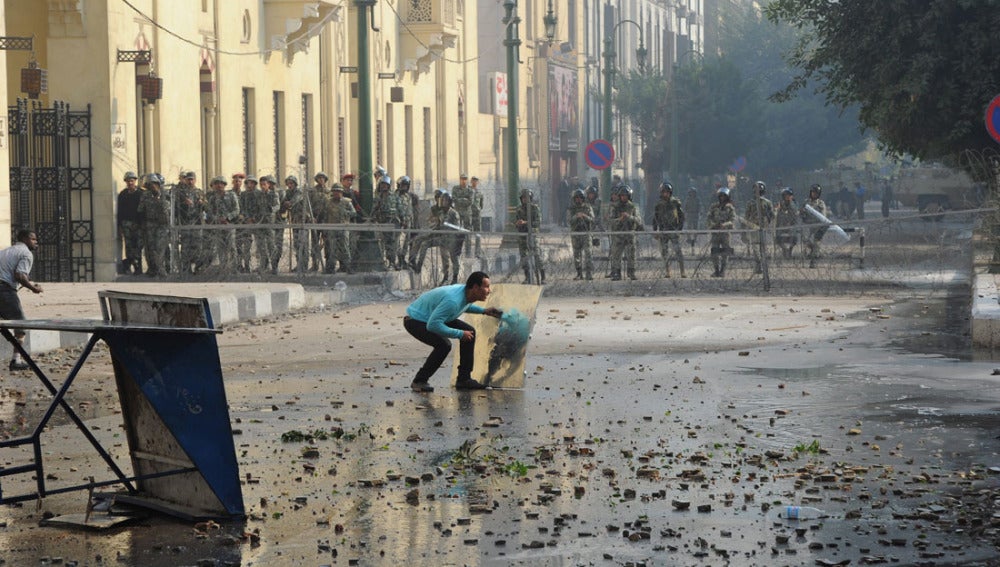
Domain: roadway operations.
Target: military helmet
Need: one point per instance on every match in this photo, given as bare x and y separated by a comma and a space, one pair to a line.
527, 193
321, 174
666, 186
380, 171
269, 178
250, 178
615, 189
446, 195
130, 175
627, 191
579, 193
816, 187
403, 181
787, 191
218, 179
437, 192
386, 180
723, 191
188, 175
692, 189
592, 190
759, 187
152, 178
293, 179
337, 187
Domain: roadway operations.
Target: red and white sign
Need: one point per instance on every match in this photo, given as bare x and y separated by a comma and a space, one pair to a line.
499, 81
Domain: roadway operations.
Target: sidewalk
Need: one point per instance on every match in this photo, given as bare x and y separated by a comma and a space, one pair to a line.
229, 303
985, 308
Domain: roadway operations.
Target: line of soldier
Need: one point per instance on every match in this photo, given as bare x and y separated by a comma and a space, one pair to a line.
457, 216
145, 218
583, 217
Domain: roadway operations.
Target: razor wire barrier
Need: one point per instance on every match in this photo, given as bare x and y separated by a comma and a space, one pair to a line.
907, 250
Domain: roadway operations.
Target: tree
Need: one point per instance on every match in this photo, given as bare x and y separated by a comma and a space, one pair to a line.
717, 109
921, 71
802, 132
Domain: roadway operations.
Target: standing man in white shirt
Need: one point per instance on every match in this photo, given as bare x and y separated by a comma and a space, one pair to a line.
15, 265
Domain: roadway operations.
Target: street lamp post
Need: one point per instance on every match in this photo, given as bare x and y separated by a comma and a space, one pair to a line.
609, 73
368, 257
511, 20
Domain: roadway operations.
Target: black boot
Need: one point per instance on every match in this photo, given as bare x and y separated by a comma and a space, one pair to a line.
631, 275
527, 276
542, 274
616, 275
579, 274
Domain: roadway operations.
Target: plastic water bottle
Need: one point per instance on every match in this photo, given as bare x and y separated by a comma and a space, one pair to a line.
801, 513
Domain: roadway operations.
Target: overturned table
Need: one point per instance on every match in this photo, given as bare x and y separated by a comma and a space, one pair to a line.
173, 404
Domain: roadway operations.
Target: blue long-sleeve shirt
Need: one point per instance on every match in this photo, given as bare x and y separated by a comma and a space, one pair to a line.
441, 305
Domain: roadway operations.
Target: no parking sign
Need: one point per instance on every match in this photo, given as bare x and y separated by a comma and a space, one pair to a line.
993, 118
599, 154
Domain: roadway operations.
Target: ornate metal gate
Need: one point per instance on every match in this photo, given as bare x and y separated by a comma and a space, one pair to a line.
51, 188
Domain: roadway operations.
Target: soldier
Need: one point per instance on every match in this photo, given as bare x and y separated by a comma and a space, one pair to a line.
318, 196
594, 200
692, 209
222, 208
528, 220
721, 216
189, 210
270, 241
450, 241
759, 214
347, 180
418, 248
787, 222
813, 238
668, 217
580, 220
244, 237
385, 211
477, 214
154, 214
627, 219
462, 194
129, 229
406, 208
338, 210
295, 207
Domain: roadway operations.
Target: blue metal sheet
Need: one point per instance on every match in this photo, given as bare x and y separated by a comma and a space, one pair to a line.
181, 377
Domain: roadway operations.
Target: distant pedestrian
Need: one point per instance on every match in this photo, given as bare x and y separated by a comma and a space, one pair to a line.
15, 265
433, 319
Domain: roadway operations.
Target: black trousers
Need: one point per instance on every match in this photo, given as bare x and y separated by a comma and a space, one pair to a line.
442, 346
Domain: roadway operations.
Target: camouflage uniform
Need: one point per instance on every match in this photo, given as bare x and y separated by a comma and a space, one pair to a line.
420, 244
787, 222
462, 194
450, 242
668, 217
721, 216
129, 228
405, 222
244, 236
580, 220
263, 206
222, 208
759, 214
814, 238
625, 218
296, 207
154, 212
338, 210
189, 210
318, 196
477, 215
385, 211
529, 215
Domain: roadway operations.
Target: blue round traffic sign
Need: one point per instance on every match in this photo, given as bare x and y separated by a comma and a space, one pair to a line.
993, 118
599, 154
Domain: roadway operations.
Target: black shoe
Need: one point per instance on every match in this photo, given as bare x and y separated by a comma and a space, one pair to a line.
17, 365
421, 387
469, 384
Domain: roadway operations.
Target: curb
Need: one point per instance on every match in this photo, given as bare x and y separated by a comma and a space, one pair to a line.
985, 311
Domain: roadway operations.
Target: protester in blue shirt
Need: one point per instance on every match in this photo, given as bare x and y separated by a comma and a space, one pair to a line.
433, 319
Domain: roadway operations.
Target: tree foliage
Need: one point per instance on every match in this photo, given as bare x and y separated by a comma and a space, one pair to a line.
920, 71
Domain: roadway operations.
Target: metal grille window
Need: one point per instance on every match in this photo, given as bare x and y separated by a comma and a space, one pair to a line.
341, 161
249, 150
279, 126
307, 132
378, 143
